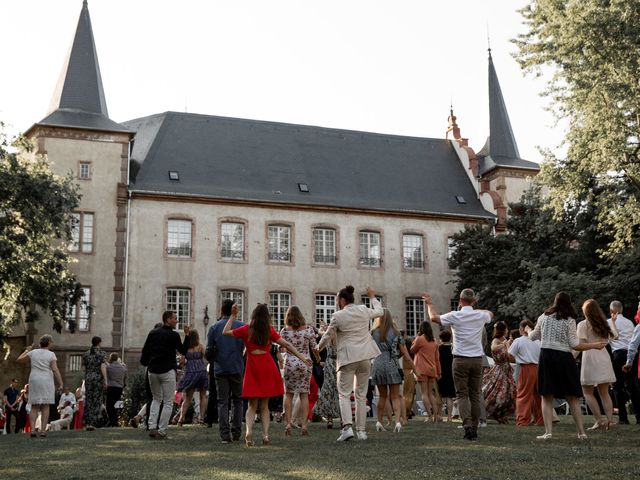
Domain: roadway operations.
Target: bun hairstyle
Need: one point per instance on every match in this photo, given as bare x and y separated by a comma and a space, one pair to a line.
347, 294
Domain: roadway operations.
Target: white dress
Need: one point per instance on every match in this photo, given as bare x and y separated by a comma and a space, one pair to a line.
596, 367
41, 387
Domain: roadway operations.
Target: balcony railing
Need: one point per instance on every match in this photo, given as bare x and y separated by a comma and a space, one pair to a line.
229, 254
370, 261
413, 263
325, 259
279, 256
181, 251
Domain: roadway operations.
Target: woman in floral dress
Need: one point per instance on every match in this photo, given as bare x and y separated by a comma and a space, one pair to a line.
297, 374
328, 403
94, 362
498, 386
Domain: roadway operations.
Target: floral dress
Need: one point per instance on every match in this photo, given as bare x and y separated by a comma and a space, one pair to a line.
328, 403
92, 360
297, 374
499, 388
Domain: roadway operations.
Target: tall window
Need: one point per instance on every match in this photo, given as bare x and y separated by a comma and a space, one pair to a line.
279, 243
179, 300
232, 241
84, 171
414, 315
237, 296
325, 307
79, 312
370, 249
279, 302
366, 301
412, 253
81, 232
324, 246
455, 303
451, 247
75, 363
179, 238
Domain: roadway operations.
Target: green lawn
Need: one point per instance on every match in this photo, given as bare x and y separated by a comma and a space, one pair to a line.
420, 451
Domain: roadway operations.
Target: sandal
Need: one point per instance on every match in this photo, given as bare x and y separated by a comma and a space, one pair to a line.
266, 441
248, 440
288, 429
304, 432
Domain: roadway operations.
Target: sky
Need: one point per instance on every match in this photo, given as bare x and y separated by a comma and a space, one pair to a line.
385, 66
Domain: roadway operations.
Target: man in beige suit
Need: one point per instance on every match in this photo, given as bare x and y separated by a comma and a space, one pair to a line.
356, 348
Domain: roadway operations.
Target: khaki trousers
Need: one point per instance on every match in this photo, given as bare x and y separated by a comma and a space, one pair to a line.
354, 377
467, 377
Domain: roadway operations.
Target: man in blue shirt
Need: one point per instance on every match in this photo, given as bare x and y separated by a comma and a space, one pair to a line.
226, 355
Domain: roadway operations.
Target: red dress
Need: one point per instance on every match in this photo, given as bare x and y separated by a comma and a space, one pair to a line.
262, 378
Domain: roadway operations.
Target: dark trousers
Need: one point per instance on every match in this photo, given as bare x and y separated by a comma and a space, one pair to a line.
626, 386
113, 395
467, 378
211, 416
229, 386
8, 414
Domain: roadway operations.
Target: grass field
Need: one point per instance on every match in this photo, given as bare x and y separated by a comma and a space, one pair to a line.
419, 451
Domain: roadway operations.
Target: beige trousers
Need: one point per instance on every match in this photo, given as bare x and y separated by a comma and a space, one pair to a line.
354, 377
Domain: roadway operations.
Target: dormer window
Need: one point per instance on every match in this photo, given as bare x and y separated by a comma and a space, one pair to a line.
174, 176
460, 199
303, 187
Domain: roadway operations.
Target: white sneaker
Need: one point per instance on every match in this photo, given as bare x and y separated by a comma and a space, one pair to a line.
346, 434
362, 435
482, 423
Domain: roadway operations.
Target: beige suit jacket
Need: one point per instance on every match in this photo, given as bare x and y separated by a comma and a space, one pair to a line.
353, 337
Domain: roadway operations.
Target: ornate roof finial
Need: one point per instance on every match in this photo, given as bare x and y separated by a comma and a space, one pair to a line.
488, 40
453, 126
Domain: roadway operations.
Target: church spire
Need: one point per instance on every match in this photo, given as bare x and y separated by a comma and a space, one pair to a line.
502, 142
80, 85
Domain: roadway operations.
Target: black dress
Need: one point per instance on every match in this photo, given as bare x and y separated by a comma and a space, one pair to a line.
445, 383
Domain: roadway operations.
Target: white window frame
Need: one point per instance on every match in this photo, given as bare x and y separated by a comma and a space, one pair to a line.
82, 232
324, 248
233, 253
279, 303
369, 242
179, 301
237, 296
279, 243
74, 363
412, 242
179, 238
325, 306
451, 249
414, 315
84, 171
80, 311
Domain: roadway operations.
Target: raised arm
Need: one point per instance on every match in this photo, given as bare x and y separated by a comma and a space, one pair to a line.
228, 327
376, 309
24, 356
433, 315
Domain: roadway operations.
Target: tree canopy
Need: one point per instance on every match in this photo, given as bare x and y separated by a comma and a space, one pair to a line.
35, 207
592, 47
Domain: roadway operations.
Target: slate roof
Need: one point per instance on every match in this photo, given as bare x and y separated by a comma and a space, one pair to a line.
230, 158
501, 149
79, 100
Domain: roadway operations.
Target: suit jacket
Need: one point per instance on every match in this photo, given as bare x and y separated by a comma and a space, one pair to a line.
352, 328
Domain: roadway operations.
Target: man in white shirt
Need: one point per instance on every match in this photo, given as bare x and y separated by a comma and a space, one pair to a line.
466, 325
66, 397
626, 383
526, 353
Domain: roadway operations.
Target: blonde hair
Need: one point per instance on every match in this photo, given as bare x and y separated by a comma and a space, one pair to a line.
384, 324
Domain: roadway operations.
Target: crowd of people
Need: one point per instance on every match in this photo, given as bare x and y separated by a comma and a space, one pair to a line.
359, 364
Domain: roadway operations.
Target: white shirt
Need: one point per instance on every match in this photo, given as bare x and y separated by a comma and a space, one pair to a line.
525, 350
67, 397
625, 331
466, 325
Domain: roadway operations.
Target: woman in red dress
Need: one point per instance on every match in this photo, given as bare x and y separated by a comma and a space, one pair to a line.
262, 378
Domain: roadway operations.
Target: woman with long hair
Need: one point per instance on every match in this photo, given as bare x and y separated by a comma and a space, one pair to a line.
498, 385
94, 362
261, 376
386, 372
596, 369
328, 404
194, 377
297, 373
44, 368
427, 361
557, 371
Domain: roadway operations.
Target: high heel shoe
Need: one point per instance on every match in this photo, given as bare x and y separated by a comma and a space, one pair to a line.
545, 436
397, 428
598, 426
287, 430
582, 436
248, 440
380, 428
266, 441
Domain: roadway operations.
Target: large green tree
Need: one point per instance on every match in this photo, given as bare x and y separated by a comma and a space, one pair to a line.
35, 207
592, 46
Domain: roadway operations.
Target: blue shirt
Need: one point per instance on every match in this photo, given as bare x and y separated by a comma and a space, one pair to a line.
228, 359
